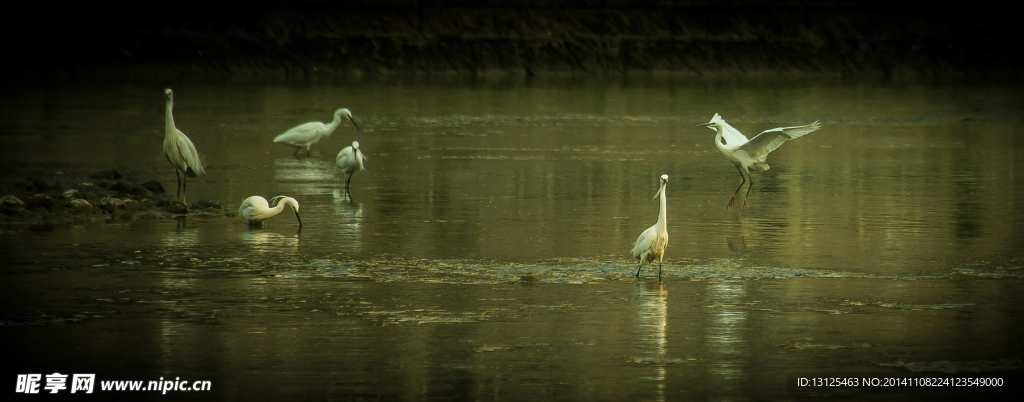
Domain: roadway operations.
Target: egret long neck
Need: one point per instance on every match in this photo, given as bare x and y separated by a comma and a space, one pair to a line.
333, 124
280, 206
662, 218
169, 119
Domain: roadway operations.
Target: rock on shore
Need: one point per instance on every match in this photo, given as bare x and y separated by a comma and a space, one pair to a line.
104, 196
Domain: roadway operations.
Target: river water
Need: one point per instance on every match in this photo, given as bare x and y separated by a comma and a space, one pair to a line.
483, 253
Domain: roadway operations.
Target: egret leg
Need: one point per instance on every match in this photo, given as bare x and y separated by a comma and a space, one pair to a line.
748, 191
348, 180
659, 269
178, 176
296, 153
184, 188
733, 199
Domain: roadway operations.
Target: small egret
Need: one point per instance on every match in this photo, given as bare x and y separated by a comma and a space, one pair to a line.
306, 134
179, 149
752, 154
255, 209
350, 160
652, 242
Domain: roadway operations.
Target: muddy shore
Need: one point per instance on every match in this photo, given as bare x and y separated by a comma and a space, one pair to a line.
324, 38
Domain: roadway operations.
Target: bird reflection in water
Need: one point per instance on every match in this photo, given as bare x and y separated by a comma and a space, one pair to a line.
182, 236
350, 220
724, 335
263, 241
305, 176
651, 324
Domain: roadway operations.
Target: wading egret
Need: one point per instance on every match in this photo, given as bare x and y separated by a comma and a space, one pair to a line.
255, 209
752, 154
306, 134
350, 160
179, 149
652, 242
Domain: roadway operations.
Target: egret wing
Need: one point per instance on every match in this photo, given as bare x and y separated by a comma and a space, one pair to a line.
188, 153
770, 140
300, 134
245, 211
342, 155
732, 136
644, 242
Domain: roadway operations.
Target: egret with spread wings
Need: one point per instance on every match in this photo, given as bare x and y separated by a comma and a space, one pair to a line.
750, 155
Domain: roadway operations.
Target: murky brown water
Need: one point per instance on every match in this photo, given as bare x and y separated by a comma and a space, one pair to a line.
484, 252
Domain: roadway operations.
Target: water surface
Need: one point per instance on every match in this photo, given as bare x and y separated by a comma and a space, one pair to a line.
483, 254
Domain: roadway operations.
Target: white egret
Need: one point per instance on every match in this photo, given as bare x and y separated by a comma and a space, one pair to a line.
350, 160
306, 134
752, 154
179, 149
255, 209
652, 242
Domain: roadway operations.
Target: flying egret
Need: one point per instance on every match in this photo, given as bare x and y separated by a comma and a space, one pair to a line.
752, 154
350, 160
255, 209
306, 134
652, 242
179, 149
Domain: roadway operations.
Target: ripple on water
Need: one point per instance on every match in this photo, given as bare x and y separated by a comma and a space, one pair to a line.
976, 366
941, 306
565, 271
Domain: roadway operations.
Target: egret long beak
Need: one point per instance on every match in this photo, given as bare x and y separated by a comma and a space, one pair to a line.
704, 124
298, 219
354, 123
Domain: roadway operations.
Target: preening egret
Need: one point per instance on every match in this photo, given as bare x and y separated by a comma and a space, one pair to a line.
255, 209
752, 154
350, 160
179, 149
652, 242
306, 134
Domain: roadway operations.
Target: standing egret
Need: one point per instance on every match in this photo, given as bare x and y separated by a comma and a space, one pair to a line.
255, 209
306, 134
179, 149
652, 242
350, 160
752, 154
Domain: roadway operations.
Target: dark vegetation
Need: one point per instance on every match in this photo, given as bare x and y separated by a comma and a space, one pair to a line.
303, 38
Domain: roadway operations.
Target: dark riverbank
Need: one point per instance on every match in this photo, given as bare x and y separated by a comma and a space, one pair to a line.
108, 196
581, 37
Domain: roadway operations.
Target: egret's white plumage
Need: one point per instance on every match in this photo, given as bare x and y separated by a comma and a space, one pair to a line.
651, 244
255, 209
179, 149
350, 160
750, 155
306, 134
